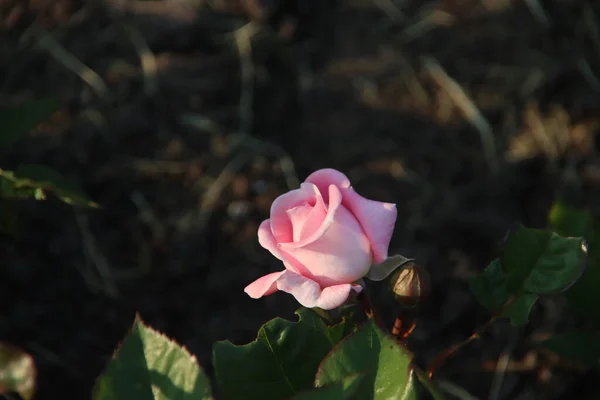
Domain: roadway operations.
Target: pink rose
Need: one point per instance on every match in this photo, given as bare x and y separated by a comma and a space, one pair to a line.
328, 237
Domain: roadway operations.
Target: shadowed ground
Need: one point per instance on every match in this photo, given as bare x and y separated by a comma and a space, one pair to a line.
185, 119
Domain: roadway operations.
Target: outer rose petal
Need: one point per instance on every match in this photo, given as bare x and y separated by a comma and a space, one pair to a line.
338, 252
281, 226
267, 240
309, 294
376, 218
263, 286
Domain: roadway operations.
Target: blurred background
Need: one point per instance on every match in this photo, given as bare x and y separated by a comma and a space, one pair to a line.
184, 119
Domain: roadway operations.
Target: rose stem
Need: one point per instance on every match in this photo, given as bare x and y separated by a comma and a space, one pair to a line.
443, 356
400, 329
368, 309
324, 315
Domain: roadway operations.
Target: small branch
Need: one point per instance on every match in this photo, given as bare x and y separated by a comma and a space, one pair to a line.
243, 40
324, 315
446, 354
95, 256
69, 61
364, 302
467, 107
403, 325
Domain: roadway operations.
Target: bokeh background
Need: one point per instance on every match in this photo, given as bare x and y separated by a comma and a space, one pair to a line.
184, 119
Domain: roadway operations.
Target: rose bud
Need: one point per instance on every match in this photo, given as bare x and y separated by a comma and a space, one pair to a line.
410, 284
328, 238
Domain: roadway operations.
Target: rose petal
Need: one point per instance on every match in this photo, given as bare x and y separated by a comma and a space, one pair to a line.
281, 226
314, 220
263, 286
309, 294
334, 296
341, 255
267, 240
298, 216
376, 218
335, 199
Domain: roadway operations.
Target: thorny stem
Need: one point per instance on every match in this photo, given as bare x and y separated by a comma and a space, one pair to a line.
324, 315
363, 300
443, 356
403, 325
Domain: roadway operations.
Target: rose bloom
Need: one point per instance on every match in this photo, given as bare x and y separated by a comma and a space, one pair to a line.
327, 236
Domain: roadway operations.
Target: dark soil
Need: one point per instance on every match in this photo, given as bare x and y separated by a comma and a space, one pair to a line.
194, 115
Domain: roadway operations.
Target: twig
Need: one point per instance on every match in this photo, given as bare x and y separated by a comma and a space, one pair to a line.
538, 12
364, 302
147, 59
501, 368
455, 390
391, 10
539, 132
586, 70
286, 163
412, 81
56, 50
96, 256
590, 19
401, 329
147, 215
243, 40
428, 23
211, 196
467, 107
446, 354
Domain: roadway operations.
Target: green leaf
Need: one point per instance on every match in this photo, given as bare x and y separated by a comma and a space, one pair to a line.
385, 363
436, 394
9, 217
584, 295
582, 347
518, 312
32, 180
281, 362
16, 121
17, 371
343, 390
569, 221
542, 262
490, 290
489, 287
150, 366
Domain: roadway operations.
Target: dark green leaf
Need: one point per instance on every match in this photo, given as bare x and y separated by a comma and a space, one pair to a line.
518, 311
17, 371
434, 392
542, 262
569, 221
9, 213
583, 347
17, 121
31, 181
489, 289
584, 295
344, 390
150, 366
385, 363
281, 362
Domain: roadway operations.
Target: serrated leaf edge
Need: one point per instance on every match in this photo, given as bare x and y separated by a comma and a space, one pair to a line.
137, 322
